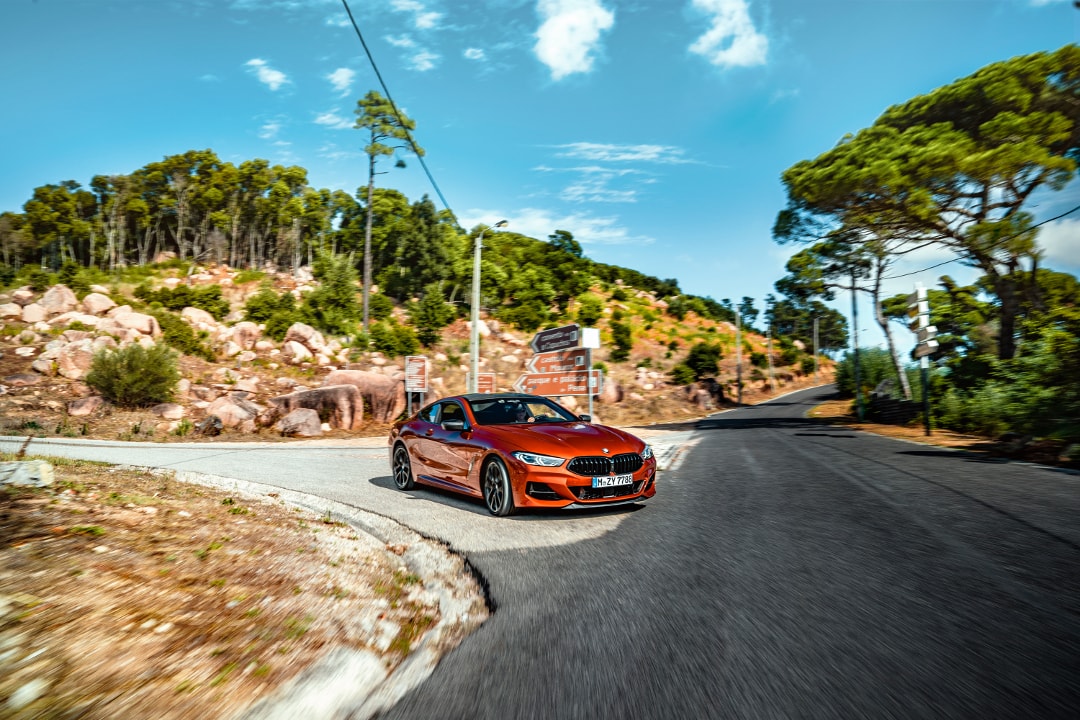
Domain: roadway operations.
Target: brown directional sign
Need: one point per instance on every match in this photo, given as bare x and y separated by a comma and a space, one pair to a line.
416, 374
485, 383
558, 361
559, 338
556, 384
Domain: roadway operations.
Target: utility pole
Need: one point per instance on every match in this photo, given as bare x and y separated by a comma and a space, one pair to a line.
919, 312
738, 357
768, 353
815, 351
855, 337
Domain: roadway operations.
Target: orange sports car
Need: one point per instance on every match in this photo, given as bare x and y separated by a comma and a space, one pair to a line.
520, 451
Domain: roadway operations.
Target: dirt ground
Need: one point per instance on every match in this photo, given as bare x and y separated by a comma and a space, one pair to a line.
125, 593
1043, 451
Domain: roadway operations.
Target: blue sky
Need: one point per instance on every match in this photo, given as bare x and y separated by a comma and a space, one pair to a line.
653, 130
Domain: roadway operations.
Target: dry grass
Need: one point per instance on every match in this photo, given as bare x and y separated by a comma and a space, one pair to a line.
124, 593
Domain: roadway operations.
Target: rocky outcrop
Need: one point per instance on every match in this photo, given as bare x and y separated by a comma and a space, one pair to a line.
59, 299
97, 304
74, 359
383, 396
235, 412
85, 406
302, 422
246, 334
307, 336
341, 405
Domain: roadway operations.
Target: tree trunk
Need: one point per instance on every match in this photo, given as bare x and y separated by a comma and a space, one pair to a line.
883, 323
1005, 287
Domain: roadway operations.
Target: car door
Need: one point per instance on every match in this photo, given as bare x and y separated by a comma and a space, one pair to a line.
421, 444
454, 451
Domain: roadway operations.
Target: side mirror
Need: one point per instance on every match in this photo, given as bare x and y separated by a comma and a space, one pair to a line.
454, 425
585, 418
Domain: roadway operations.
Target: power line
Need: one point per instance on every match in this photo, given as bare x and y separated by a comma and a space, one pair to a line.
999, 242
386, 90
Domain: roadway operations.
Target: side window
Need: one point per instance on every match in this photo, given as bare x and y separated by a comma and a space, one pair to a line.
430, 414
451, 411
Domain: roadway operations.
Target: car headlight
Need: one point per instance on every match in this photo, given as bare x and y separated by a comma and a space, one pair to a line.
646, 453
541, 460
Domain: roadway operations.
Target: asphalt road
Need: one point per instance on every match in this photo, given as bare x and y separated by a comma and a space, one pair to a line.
785, 569
789, 569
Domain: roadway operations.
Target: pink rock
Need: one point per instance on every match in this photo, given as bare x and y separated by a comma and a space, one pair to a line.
168, 411
246, 335
59, 299
195, 315
307, 336
342, 405
302, 422
295, 352
384, 396
140, 322
11, 310
97, 304
33, 313
234, 412
74, 359
85, 406
23, 296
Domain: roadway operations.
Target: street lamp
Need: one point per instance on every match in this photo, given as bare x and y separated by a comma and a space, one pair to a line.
474, 328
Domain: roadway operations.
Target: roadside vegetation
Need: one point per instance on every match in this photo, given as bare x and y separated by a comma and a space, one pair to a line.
957, 171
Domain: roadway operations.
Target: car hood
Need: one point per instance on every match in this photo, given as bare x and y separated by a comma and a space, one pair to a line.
568, 439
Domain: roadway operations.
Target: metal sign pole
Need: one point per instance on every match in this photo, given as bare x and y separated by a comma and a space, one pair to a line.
588, 370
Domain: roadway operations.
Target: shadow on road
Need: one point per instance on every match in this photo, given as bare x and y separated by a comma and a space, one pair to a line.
476, 506
968, 456
741, 422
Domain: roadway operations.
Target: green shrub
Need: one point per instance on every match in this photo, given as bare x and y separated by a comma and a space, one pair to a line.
394, 340
135, 376
589, 310
806, 365
758, 359
681, 374
7, 276
379, 306
622, 342
619, 295
37, 279
181, 336
431, 315
203, 297
875, 365
246, 276
703, 359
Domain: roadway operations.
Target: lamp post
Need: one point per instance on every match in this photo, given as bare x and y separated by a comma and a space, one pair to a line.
474, 327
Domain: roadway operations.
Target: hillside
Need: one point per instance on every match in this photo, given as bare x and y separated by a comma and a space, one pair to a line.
234, 368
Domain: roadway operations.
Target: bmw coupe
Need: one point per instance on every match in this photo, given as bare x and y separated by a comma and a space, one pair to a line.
520, 451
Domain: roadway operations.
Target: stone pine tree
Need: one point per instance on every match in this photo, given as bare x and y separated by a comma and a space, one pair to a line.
389, 129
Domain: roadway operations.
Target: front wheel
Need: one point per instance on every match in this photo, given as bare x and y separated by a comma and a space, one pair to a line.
403, 476
498, 495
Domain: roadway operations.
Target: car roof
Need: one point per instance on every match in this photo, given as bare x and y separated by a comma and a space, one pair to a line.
471, 397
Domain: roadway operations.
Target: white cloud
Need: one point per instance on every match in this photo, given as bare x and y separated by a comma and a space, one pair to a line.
423, 18
332, 120
594, 184
539, 223
401, 41
338, 20
209, 77
569, 34
780, 95
475, 54
1040, 3
424, 61
1060, 242
273, 79
732, 41
342, 79
607, 152
269, 130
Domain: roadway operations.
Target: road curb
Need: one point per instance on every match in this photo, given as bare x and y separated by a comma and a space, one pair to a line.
354, 683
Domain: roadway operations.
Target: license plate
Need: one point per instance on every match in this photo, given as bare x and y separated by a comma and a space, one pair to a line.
612, 480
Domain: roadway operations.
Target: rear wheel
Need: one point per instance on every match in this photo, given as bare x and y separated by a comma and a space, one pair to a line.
403, 476
498, 495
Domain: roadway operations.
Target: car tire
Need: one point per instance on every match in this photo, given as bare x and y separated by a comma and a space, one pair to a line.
403, 476
498, 495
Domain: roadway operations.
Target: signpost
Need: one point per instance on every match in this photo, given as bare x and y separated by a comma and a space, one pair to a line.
560, 338
556, 384
416, 377
919, 312
485, 383
558, 361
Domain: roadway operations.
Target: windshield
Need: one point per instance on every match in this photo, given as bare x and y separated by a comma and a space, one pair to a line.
512, 411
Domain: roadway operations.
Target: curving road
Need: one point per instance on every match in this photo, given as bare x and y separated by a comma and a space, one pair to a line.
786, 568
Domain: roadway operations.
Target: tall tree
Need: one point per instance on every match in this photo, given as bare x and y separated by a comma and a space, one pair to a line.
384, 123
956, 168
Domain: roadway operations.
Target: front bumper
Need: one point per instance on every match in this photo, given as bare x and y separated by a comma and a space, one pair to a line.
540, 487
